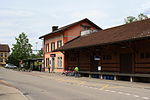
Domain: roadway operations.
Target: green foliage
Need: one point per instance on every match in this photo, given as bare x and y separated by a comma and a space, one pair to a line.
142, 16
21, 50
38, 55
131, 19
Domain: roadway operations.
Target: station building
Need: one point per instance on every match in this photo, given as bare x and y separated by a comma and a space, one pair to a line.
59, 37
121, 52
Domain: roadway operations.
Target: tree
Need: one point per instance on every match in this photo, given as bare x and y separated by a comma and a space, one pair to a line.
131, 19
21, 50
142, 16
38, 55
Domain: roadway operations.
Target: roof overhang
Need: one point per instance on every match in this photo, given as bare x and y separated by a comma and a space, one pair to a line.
108, 43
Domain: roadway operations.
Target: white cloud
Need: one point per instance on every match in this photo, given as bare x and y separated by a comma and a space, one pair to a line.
13, 22
5, 23
146, 5
145, 8
15, 13
93, 14
5, 35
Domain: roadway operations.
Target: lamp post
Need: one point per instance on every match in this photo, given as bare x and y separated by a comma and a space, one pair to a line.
36, 46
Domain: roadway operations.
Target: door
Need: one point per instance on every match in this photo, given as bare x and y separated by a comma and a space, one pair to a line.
95, 62
126, 63
95, 65
53, 64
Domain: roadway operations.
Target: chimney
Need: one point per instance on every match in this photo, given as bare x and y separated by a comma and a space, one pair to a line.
54, 28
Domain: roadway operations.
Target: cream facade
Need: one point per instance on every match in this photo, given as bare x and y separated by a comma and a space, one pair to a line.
3, 57
4, 53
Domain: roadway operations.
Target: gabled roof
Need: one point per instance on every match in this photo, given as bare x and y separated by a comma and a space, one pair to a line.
126, 32
70, 25
4, 48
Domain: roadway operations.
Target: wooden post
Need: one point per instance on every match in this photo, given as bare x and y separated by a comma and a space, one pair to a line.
115, 77
101, 76
90, 76
131, 79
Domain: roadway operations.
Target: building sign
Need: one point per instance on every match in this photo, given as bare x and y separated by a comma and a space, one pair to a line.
96, 57
99, 68
52, 55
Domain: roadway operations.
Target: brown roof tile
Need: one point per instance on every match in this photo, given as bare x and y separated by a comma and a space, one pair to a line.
70, 25
135, 30
4, 48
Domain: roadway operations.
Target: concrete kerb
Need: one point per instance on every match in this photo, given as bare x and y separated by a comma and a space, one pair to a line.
10, 93
54, 73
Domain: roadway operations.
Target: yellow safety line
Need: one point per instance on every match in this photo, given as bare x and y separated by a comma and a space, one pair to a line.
79, 82
105, 86
116, 87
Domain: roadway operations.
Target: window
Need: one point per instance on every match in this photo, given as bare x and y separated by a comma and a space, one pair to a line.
85, 27
52, 46
1, 54
59, 43
47, 47
142, 55
107, 57
73, 59
4, 60
5, 54
47, 62
59, 62
1, 59
145, 55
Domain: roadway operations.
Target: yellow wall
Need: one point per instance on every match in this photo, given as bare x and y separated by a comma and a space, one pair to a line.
3, 58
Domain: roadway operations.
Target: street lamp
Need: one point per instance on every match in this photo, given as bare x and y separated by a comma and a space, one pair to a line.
36, 46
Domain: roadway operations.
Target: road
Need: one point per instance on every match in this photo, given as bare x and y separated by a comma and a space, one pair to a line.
45, 86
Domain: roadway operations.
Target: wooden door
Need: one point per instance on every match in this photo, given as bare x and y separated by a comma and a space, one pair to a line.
126, 63
94, 64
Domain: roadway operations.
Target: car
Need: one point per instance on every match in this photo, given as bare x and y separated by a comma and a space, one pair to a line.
10, 66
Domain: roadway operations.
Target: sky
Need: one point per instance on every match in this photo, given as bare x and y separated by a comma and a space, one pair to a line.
36, 17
